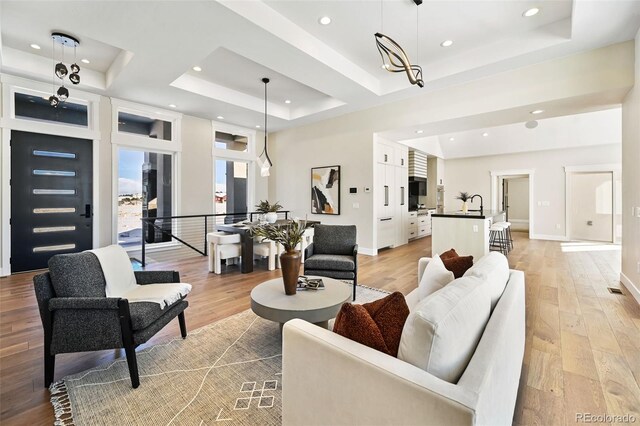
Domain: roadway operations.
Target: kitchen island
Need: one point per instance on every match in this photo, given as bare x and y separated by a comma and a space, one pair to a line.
468, 233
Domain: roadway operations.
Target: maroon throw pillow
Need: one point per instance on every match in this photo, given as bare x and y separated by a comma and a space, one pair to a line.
377, 324
458, 265
449, 254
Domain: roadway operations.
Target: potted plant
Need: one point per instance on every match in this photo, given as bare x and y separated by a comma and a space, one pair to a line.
289, 235
270, 211
464, 197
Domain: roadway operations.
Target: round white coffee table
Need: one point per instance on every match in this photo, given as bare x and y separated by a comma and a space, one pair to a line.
269, 301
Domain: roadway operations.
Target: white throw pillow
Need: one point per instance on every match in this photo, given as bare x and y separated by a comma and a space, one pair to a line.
435, 277
493, 270
441, 333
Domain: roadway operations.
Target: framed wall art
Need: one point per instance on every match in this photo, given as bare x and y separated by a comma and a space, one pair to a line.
325, 190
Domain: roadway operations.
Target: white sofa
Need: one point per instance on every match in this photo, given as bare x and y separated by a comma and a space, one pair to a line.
331, 380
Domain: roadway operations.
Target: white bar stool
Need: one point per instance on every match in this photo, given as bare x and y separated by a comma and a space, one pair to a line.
507, 226
222, 246
498, 238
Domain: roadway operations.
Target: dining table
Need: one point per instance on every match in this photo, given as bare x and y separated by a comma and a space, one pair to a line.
246, 239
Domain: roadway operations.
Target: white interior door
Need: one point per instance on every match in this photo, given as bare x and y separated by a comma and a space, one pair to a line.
591, 206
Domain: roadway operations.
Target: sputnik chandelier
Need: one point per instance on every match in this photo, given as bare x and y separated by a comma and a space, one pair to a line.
394, 58
60, 70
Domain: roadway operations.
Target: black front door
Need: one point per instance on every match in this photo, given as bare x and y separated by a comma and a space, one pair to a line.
51, 198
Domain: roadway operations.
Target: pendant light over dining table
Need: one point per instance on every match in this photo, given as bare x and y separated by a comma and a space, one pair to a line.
394, 58
266, 164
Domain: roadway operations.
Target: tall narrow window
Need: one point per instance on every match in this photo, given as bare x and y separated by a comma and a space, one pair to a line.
231, 187
144, 190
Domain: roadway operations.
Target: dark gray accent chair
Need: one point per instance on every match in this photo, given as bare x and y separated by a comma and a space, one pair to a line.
333, 253
77, 315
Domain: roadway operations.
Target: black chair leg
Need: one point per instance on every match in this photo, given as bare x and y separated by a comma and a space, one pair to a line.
183, 325
127, 341
355, 285
132, 362
49, 367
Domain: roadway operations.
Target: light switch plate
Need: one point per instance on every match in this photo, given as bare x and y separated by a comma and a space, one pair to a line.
356, 205
475, 228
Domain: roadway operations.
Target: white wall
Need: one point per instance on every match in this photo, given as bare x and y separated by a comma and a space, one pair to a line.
473, 175
631, 182
296, 151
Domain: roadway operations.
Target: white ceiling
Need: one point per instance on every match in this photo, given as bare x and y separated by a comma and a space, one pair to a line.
571, 131
144, 51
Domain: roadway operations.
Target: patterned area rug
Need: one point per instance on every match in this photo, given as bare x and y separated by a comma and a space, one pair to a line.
228, 372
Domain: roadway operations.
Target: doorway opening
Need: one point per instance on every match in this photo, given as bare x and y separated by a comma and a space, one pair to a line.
514, 196
512, 192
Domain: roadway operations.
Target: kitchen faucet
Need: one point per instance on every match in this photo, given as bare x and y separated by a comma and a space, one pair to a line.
481, 202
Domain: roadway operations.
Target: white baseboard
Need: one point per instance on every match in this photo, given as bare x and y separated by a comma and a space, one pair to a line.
633, 289
547, 237
367, 251
519, 220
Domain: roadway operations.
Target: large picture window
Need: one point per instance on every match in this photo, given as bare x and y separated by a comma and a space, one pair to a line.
145, 183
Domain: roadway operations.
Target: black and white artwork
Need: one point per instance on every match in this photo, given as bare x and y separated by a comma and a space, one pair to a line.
325, 190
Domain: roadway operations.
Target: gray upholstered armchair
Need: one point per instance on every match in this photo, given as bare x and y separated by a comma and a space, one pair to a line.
77, 316
333, 253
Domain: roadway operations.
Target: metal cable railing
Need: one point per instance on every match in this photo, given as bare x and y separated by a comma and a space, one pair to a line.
189, 230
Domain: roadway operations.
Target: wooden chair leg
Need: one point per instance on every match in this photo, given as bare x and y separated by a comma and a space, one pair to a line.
183, 325
49, 367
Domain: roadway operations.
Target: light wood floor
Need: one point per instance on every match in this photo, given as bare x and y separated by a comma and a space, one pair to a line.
582, 349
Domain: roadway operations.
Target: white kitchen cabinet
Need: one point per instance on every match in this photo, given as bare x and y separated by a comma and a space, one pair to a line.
401, 157
391, 193
386, 154
385, 190
386, 232
402, 203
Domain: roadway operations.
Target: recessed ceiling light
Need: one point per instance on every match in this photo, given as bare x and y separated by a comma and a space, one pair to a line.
220, 117
325, 20
419, 132
172, 106
452, 139
446, 43
485, 134
288, 101
197, 68
257, 126
86, 61
531, 12
537, 111
35, 46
